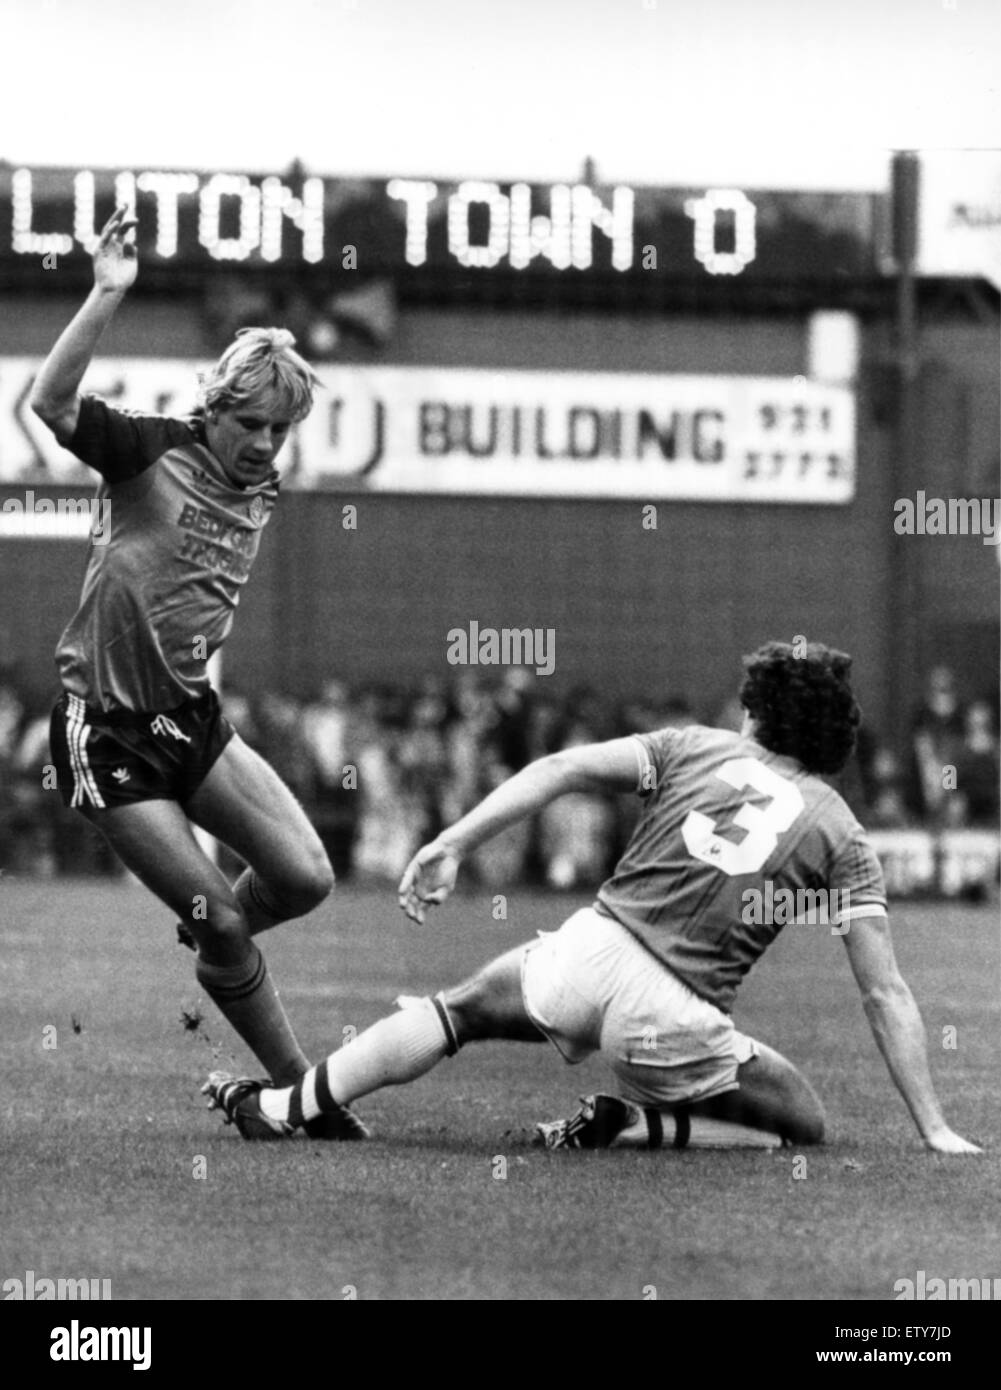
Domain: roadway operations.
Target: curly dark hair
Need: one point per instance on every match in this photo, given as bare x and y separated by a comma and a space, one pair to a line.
802, 704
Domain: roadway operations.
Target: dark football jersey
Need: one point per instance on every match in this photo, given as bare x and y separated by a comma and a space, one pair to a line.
733, 835
163, 582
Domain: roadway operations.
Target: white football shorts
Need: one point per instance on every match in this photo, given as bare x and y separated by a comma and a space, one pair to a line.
591, 987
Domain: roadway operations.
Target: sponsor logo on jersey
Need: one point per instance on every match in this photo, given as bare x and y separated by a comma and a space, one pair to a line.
227, 547
121, 775
203, 482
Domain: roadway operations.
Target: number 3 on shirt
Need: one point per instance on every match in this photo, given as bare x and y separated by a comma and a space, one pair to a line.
764, 824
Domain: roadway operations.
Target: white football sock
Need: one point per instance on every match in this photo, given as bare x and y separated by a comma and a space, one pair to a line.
395, 1050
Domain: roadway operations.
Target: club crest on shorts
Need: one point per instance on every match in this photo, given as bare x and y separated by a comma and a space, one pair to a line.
163, 725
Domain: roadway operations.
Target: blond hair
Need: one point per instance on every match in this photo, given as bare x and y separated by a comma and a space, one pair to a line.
260, 366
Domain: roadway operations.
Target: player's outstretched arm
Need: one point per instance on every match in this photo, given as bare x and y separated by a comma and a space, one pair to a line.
899, 1032
54, 396
430, 875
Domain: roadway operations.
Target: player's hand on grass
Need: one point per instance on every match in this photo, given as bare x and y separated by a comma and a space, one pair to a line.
115, 258
428, 879
946, 1141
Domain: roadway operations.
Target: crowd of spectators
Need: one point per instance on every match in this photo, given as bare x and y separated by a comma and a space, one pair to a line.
381, 770
949, 775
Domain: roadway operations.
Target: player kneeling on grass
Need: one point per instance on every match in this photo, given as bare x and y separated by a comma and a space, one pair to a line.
648, 975
139, 742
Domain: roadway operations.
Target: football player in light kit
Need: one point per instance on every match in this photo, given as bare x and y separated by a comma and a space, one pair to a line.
648, 975
139, 742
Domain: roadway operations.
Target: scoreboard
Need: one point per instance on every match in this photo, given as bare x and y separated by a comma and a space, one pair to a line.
411, 227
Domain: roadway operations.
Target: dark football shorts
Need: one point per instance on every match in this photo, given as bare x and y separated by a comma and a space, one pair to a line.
114, 758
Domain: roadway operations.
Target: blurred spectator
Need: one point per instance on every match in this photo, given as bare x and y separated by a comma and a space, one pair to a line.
38, 810
544, 724
584, 706
334, 805
576, 831
466, 737
11, 717
325, 731
422, 755
513, 703
500, 862
12, 713
281, 740
936, 738
239, 712
977, 770
887, 806
386, 819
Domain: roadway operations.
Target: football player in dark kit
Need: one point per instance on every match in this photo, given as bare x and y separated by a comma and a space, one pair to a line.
139, 742
648, 975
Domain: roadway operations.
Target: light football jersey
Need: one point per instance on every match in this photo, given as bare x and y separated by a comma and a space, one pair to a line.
731, 833
162, 586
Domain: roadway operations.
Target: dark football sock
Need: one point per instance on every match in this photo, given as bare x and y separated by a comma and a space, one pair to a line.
247, 997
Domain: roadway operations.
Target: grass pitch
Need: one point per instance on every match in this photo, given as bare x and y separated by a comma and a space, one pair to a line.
113, 1170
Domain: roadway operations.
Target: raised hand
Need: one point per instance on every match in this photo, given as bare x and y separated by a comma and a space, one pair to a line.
428, 879
115, 258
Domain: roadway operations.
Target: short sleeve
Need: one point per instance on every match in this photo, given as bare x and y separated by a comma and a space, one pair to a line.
120, 444
658, 753
857, 875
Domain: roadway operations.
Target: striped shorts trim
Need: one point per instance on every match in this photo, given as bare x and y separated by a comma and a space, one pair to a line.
78, 731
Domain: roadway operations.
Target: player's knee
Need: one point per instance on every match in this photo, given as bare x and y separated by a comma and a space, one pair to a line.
469, 1009
307, 883
490, 1005
218, 926
808, 1123
318, 879
788, 1100
467, 1020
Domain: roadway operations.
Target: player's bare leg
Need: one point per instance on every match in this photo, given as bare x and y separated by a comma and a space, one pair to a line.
401, 1047
774, 1104
772, 1095
155, 841
490, 1005
244, 803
